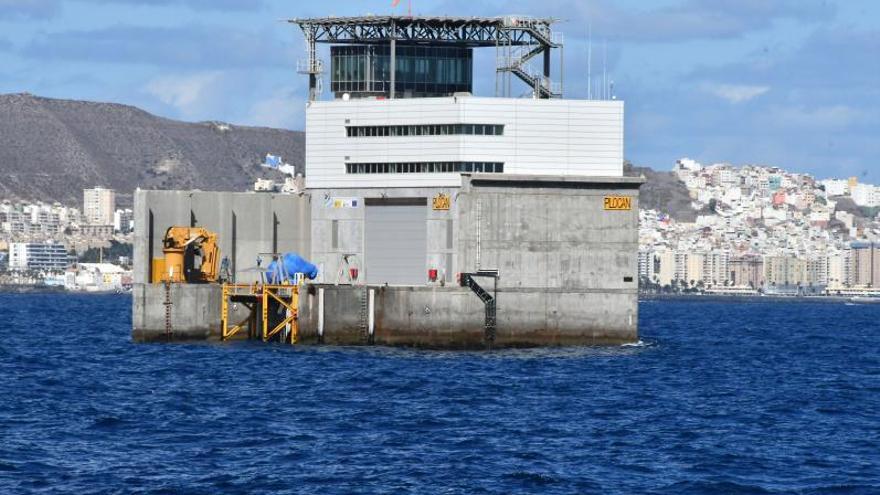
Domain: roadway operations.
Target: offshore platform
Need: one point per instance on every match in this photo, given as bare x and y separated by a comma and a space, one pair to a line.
432, 216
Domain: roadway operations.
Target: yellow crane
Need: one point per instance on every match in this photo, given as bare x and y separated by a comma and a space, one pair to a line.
191, 256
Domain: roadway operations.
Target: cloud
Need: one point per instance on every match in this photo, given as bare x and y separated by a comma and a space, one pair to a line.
190, 47
285, 109
232, 96
186, 93
676, 22
715, 19
828, 60
814, 107
29, 9
823, 117
735, 93
194, 4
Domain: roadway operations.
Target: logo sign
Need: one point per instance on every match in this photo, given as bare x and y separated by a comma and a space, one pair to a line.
342, 202
441, 202
618, 203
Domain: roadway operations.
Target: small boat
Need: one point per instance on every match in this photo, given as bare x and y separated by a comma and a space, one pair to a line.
865, 299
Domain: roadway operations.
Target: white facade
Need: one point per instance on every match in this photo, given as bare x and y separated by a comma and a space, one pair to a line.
542, 137
97, 277
835, 187
123, 220
865, 195
30, 256
99, 205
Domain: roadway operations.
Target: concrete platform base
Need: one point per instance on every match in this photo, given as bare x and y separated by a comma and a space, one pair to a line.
427, 317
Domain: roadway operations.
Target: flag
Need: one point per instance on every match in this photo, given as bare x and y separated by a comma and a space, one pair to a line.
395, 3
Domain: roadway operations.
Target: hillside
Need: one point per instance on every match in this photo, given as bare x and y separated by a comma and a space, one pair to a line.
663, 192
52, 149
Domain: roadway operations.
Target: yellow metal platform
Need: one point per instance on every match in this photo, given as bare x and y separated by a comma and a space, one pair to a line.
261, 300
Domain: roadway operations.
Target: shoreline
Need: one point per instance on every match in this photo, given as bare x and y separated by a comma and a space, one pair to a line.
747, 298
42, 289
35, 289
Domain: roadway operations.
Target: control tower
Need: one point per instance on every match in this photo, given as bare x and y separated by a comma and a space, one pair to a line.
421, 125
433, 56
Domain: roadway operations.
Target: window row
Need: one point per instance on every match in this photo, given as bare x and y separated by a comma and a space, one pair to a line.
424, 167
425, 130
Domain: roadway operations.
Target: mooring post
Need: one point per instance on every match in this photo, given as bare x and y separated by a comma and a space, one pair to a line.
321, 315
371, 315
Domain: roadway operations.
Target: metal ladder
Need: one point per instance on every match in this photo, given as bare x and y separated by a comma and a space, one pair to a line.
489, 300
366, 338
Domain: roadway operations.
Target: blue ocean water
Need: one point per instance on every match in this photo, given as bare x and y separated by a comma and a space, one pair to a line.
719, 398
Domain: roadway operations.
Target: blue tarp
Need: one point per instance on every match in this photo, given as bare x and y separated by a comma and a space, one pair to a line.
291, 264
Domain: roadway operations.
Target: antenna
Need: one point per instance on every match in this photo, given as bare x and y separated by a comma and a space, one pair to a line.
604, 72
590, 62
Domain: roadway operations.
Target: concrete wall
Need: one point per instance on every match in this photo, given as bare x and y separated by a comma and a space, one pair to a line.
453, 317
195, 312
569, 268
241, 220
249, 215
346, 208
546, 233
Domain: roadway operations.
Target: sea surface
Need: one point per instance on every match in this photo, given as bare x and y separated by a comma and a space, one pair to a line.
718, 398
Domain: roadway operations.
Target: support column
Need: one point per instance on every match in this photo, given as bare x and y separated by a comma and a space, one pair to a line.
393, 61
546, 80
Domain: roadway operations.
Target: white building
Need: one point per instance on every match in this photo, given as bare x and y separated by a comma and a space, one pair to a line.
99, 205
647, 265
429, 142
716, 268
685, 167
97, 277
123, 220
30, 256
835, 187
865, 195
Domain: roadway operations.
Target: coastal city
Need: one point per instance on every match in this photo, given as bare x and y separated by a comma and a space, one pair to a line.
55, 246
757, 230
764, 230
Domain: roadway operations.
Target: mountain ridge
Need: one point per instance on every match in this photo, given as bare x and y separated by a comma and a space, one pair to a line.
51, 149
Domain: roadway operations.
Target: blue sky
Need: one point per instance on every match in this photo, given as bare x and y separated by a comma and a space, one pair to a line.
793, 83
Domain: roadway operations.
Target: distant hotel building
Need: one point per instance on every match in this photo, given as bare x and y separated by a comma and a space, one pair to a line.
29, 256
99, 205
864, 264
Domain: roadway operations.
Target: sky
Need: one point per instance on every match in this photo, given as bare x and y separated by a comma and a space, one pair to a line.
790, 83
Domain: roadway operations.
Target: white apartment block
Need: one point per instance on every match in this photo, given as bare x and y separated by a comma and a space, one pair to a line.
123, 220
429, 142
835, 187
865, 195
30, 256
99, 204
716, 267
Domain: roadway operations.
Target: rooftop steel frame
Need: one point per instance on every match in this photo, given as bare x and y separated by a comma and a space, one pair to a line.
517, 39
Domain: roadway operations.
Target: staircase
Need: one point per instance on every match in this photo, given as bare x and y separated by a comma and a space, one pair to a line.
541, 40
